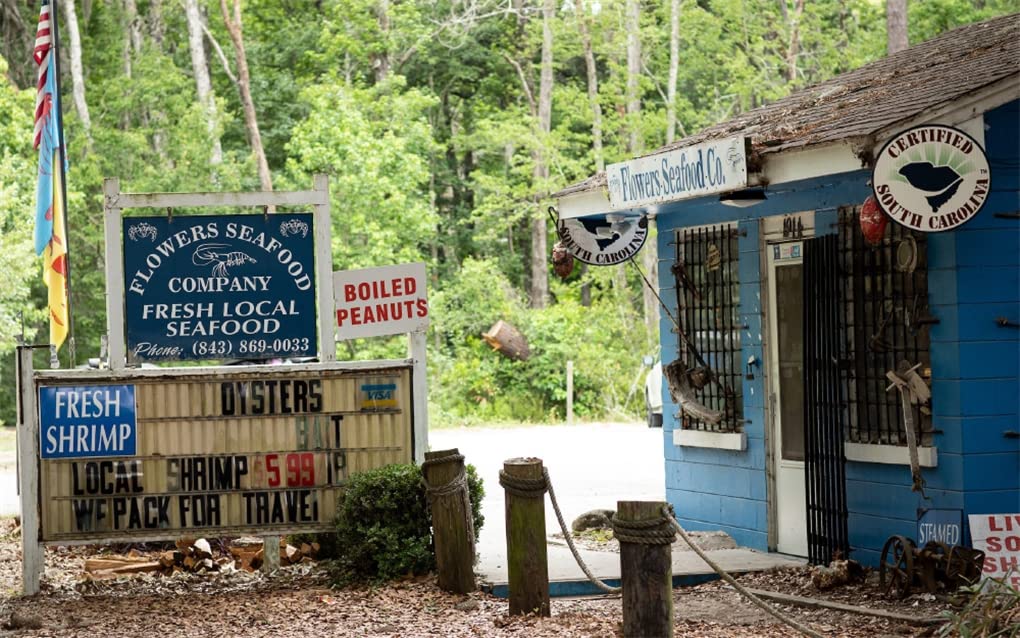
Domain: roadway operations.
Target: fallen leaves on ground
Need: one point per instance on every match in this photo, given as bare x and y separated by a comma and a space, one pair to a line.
297, 602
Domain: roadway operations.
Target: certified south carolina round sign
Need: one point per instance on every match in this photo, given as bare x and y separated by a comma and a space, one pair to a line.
931, 178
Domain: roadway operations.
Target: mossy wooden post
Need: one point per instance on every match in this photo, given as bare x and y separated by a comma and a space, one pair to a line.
454, 547
646, 573
527, 562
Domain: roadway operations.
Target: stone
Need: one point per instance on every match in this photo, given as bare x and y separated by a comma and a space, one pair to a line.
467, 605
593, 519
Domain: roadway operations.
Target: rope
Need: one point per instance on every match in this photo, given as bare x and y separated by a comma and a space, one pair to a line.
647, 532
457, 484
524, 487
536, 488
656, 531
807, 631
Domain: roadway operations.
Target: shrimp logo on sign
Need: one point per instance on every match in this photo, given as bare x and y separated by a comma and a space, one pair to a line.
207, 254
932, 178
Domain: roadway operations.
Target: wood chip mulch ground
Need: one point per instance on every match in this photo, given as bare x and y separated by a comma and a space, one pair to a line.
298, 602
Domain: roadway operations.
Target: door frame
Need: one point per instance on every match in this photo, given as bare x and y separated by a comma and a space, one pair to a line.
770, 232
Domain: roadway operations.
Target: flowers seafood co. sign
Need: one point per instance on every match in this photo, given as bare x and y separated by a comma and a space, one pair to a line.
716, 166
931, 178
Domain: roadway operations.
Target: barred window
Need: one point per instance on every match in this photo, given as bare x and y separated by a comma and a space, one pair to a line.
706, 274
885, 324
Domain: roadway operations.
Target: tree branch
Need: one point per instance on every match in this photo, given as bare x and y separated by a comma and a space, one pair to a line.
524, 83
219, 53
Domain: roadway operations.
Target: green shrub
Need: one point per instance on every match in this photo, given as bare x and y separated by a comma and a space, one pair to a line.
383, 526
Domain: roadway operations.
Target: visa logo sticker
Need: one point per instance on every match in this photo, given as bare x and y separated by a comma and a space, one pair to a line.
376, 396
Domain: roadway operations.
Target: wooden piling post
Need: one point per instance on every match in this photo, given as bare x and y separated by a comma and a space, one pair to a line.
455, 553
646, 572
527, 560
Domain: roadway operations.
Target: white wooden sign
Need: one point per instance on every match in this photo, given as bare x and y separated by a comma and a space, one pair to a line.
998, 536
374, 302
717, 166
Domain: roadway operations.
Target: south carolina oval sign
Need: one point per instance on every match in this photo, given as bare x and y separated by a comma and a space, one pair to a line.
931, 178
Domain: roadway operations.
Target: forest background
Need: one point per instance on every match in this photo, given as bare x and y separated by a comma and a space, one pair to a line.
444, 125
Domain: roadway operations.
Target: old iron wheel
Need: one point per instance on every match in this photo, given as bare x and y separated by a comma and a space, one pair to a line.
963, 566
896, 571
933, 560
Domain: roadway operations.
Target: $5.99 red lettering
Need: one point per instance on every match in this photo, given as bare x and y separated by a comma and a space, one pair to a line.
295, 470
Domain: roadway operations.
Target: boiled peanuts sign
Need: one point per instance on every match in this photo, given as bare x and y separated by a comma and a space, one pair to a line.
374, 302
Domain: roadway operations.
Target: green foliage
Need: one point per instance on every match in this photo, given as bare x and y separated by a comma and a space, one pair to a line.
471, 382
383, 525
384, 528
420, 113
991, 609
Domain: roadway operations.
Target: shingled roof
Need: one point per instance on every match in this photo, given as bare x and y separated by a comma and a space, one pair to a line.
861, 103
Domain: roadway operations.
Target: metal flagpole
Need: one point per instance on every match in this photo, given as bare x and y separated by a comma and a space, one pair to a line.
54, 11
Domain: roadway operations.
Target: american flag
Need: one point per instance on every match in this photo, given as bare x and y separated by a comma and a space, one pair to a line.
50, 239
43, 47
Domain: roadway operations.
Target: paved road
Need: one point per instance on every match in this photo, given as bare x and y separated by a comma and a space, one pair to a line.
9, 503
591, 466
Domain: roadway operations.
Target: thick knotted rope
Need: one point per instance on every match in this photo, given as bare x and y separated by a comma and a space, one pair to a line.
524, 487
656, 531
457, 484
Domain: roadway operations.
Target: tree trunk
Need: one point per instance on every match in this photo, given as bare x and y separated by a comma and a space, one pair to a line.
157, 27
539, 230
381, 60
674, 66
593, 86
200, 66
634, 142
244, 87
793, 50
77, 74
134, 26
633, 24
896, 25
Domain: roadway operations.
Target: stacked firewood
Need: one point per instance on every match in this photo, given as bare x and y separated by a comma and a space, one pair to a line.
196, 556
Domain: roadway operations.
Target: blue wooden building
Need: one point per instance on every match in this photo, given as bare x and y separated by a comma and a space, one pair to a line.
788, 310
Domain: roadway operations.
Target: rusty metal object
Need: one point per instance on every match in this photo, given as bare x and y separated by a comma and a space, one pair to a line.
562, 260
934, 568
896, 572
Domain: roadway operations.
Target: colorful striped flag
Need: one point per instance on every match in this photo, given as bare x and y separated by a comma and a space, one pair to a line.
49, 216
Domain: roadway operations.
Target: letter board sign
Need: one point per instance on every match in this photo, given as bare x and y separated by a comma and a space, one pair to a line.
373, 302
223, 453
211, 287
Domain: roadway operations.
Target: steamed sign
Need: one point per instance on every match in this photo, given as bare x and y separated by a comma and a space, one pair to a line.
380, 301
716, 166
218, 286
931, 178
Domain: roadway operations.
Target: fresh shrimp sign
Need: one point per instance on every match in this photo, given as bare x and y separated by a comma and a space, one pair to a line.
219, 286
